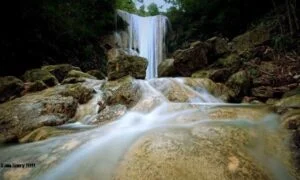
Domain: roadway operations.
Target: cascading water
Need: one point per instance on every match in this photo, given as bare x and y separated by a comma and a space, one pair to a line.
146, 36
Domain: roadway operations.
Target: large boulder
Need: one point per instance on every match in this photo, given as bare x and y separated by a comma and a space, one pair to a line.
10, 87
23, 115
231, 61
36, 86
250, 39
219, 45
124, 91
240, 82
60, 71
40, 75
166, 68
121, 64
194, 58
81, 93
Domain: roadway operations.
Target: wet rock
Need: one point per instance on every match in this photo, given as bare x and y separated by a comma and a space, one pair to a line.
291, 101
10, 87
110, 113
160, 155
250, 39
194, 58
271, 101
79, 74
23, 115
192, 90
121, 64
78, 91
60, 71
97, 73
122, 91
43, 133
40, 75
217, 75
166, 68
240, 82
291, 119
218, 90
173, 90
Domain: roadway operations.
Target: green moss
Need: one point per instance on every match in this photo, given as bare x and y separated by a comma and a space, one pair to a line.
79, 92
40, 75
37, 86
79, 74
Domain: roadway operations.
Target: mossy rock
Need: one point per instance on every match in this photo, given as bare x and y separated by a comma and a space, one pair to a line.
96, 73
291, 101
292, 92
166, 68
10, 87
27, 113
122, 91
231, 61
37, 86
120, 64
79, 74
73, 80
240, 82
250, 39
79, 92
110, 113
217, 75
40, 75
219, 45
60, 71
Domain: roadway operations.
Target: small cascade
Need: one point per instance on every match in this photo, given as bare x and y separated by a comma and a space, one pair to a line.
146, 36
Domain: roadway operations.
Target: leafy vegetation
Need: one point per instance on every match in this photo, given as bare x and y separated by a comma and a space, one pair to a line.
54, 31
200, 19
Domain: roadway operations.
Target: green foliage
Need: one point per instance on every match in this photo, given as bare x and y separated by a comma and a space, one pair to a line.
283, 42
54, 31
126, 5
153, 9
202, 19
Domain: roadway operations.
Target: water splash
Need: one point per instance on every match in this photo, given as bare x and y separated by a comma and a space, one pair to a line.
145, 35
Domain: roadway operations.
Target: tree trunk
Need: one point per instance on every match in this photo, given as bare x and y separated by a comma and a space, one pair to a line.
278, 17
293, 9
287, 4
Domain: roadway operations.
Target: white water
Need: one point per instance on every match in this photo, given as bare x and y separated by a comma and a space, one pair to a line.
145, 35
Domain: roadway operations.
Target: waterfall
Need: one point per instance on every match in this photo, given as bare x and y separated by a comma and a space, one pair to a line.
146, 36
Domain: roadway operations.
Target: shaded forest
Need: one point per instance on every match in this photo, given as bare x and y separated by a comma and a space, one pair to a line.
68, 31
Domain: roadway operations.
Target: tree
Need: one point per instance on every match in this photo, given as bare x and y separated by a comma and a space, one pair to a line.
126, 5
153, 9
